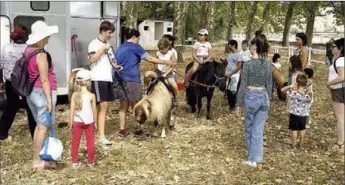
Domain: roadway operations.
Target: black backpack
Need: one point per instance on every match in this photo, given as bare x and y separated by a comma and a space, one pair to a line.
20, 80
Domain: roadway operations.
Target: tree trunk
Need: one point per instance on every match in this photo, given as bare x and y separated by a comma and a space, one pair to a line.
232, 18
251, 16
184, 9
311, 9
180, 16
203, 15
287, 23
131, 13
177, 22
210, 20
265, 15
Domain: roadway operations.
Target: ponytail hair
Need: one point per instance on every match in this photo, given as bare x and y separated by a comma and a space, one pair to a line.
78, 102
20, 34
71, 84
130, 32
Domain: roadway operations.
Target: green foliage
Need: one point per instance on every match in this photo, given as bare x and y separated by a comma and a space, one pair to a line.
275, 23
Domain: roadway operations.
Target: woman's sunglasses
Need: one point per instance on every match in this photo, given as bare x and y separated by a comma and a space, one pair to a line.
201, 35
334, 46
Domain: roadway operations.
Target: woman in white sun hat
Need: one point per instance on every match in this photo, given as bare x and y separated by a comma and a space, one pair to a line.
41, 74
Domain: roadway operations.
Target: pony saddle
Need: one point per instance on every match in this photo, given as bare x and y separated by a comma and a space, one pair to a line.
155, 81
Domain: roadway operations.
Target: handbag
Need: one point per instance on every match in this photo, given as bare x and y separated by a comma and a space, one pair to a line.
52, 148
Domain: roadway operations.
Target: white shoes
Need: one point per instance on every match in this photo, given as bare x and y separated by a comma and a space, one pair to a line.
105, 141
250, 163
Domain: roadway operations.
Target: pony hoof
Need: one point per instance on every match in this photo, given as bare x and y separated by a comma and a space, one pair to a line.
208, 117
198, 116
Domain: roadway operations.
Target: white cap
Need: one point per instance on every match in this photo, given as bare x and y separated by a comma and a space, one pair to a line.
83, 75
40, 30
203, 31
77, 69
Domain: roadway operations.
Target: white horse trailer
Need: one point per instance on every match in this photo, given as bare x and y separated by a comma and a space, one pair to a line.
78, 24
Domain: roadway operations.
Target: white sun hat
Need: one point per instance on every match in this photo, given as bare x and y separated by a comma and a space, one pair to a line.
40, 30
83, 75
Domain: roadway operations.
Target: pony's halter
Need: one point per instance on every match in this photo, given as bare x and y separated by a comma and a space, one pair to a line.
215, 83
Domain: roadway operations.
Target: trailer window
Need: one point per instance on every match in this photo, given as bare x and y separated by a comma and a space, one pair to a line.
85, 9
5, 31
40, 5
27, 21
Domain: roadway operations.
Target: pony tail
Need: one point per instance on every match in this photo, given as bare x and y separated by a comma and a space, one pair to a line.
77, 96
71, 84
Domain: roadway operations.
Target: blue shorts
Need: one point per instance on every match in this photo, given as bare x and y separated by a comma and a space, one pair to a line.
38, 105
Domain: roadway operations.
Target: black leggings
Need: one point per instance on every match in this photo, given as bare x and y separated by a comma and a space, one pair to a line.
12, 106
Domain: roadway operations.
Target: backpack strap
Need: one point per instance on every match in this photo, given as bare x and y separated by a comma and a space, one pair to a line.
30, 55
334, 65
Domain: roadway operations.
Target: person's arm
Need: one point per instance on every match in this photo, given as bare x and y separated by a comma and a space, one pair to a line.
339, 79
304, 58
94, 109
171, 69
269, 81
286, 88
243, 85
155, 60
43, 68
94, 56
238, 67
71, 110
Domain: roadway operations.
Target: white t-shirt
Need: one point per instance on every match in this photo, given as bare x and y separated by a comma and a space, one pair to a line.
333, 74
277, 65
245, 55
167, 56
202, 50
101, 70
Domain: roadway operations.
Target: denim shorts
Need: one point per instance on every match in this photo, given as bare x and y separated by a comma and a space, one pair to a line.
37, 102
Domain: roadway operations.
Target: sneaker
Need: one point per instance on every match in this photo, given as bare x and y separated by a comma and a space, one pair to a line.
75, 165
250, 163
105, 141
307, 126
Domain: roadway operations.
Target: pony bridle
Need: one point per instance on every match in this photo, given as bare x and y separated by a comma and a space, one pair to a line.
215, 82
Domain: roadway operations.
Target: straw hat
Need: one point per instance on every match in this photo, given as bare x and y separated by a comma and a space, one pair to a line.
40, 30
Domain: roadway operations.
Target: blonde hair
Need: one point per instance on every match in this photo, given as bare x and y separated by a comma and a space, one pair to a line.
77, 94
71, 84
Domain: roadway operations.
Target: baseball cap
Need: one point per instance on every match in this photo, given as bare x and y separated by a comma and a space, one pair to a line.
203, 31
83, 75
